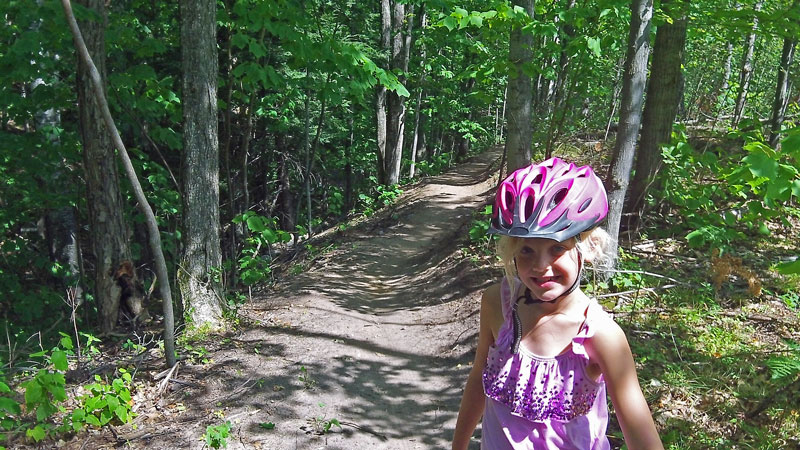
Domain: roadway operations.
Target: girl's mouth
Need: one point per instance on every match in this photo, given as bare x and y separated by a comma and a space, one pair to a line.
542, 281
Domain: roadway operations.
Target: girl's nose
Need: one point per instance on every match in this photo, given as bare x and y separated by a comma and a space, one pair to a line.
540, 263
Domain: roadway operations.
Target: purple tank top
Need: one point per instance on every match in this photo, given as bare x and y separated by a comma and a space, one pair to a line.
542, 403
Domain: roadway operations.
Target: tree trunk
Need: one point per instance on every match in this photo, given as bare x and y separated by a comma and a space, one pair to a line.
348, 166
519, 133
395, 104
663, 95
462, 145
380, 96
782, 89
634, 79
420, 89
152, 227
724, 89
746, 74
568, 32
108, 232
200, 287
285, 200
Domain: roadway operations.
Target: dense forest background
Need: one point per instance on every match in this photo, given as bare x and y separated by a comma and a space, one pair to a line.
252, 125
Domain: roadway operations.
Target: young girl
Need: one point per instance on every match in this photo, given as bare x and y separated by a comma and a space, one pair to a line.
546, 352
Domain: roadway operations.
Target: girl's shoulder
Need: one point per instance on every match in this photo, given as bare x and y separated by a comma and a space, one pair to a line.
492, 302
606, 336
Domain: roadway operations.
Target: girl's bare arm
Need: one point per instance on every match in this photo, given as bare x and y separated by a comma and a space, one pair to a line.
473, 400
609, 348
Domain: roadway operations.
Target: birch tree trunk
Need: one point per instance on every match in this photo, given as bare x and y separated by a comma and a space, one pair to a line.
200, 287
633, 83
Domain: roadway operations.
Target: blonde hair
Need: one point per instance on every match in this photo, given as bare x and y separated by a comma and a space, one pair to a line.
595, 245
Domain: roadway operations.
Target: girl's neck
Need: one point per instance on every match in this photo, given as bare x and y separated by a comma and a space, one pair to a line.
559, 306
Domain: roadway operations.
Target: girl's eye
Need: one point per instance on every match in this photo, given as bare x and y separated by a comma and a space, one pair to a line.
526, 251
558, 249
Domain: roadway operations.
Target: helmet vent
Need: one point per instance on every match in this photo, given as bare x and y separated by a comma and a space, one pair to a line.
509, 198
529, 204
558, 197
585, 205
537, 179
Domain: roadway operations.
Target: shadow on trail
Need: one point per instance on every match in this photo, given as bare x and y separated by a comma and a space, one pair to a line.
389, 397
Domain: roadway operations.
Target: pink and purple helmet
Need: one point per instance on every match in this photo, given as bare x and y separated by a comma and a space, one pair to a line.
554, 200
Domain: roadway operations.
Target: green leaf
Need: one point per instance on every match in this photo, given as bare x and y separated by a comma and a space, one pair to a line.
594, 45
4, 387
9, 405
267, 425
33, 393
790, 267
79, 415
256, 224
36, 433
450, 22
66, 342
44, 411
91, 419
761, 165
791, 144
105, 416
122, 413
59, 360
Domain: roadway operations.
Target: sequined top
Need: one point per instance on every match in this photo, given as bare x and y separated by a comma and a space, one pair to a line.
536, 402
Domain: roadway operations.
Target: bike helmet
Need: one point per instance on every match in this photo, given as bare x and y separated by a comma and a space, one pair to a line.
553, 200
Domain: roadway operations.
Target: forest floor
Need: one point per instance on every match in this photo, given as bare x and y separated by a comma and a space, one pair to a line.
367, 348
369, 343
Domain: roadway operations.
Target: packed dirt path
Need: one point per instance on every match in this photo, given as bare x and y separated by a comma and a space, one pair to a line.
376, 334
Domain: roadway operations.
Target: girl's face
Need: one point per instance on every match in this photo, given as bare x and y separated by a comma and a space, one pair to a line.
547, 267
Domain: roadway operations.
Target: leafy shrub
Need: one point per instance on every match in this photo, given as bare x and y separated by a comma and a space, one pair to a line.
479, 227
104, 402
746, 189
45, 391
9, 408
216, 436
254, 264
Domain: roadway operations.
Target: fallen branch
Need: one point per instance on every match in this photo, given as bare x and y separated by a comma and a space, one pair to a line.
167, 374
634, 291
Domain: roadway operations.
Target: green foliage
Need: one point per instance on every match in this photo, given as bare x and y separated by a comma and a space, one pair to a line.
439, 163
104, 403
216, 436
747, 190
46, 389
304, 377
254, 262
322, 425
478, 231
9, 408
786, 368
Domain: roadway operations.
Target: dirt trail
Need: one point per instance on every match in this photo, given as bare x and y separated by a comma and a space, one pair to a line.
375, 334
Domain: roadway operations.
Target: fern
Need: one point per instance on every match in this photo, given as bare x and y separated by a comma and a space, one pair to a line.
783, 367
